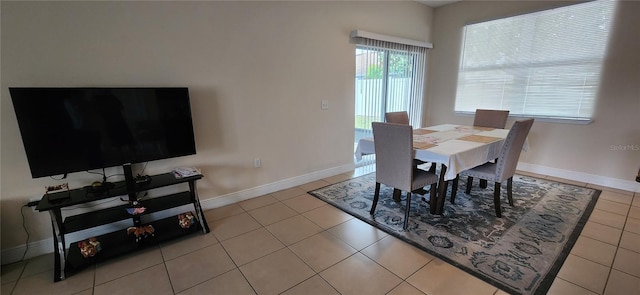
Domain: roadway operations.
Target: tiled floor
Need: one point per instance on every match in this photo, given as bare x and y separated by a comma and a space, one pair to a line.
289, 242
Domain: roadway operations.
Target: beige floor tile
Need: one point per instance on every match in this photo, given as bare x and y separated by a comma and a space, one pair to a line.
7, 288
327, 216
616, 197
568, 181
438, 277
584, 273
223, 212
615, 190
315, 285
622, 283
11, 272
630, 241
232, 282
405, 289
288, 193
184, 245
601, 232
358, 234
397, 256
304, 203
128, 264
257, 202
86, 292
607, 218
612, 207
594, 250
155, 281
251, 246
562, 287
360, 275
634, 212
233, 226
272, 213
633, 225
628, 262
313, 185
294, 229
199, 266
276, 272
39, 264
636, 200
322, 250
42, 283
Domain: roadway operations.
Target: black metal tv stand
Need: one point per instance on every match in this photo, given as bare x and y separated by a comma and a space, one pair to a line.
70, 260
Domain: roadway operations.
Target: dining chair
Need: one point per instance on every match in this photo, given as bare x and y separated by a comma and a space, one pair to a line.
397, 117
402, 117
503, 169
394, 163
492, 119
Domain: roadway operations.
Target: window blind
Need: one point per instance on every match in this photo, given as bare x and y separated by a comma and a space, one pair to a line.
542, 64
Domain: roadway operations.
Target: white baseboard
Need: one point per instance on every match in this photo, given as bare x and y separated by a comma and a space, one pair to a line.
45, 246
626, 185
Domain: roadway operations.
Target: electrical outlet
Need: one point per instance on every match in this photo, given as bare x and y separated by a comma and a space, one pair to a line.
257, 163
325, 104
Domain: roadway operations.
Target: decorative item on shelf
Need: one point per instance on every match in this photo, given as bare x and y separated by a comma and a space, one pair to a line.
89, 247
186, 172
141, 232
56, 188
136, 210
186, 220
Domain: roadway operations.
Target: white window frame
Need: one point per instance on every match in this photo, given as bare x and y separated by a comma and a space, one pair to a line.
515, 69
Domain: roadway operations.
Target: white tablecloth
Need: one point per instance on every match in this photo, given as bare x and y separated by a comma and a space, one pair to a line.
456, 153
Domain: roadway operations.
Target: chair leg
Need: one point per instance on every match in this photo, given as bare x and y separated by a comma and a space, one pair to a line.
469, 184
376, 195
483, 183
406, 212
432, 169
510, 190
454, 190
496, 199
433, 194
396, 194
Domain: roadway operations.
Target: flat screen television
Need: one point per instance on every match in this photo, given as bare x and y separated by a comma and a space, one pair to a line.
68, 130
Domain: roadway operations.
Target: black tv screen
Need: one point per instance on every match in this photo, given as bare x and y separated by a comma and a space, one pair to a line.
68, 130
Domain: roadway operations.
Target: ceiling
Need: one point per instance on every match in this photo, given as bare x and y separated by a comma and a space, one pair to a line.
437, 3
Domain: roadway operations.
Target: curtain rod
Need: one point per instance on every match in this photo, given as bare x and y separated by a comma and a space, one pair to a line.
374, 36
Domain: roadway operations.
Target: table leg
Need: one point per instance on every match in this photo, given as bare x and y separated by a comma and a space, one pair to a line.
58, 245
442, 190
196, 205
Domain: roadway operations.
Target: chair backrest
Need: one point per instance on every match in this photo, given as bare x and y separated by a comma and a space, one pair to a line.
490, 118
397, 117
510, 153
394, 154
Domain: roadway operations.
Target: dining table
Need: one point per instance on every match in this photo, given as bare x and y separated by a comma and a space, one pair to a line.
455, 147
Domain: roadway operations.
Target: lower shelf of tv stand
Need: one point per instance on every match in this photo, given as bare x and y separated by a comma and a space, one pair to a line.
119, 242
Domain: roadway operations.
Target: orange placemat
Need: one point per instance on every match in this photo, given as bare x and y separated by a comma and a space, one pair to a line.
480, 138
422, 131
422, 145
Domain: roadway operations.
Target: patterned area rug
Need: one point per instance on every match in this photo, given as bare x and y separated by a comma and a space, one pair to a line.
520, 253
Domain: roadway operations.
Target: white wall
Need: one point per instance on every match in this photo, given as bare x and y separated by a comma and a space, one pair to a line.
257, 72
605, 152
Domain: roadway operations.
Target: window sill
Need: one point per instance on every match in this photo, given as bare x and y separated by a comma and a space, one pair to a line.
577, 121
